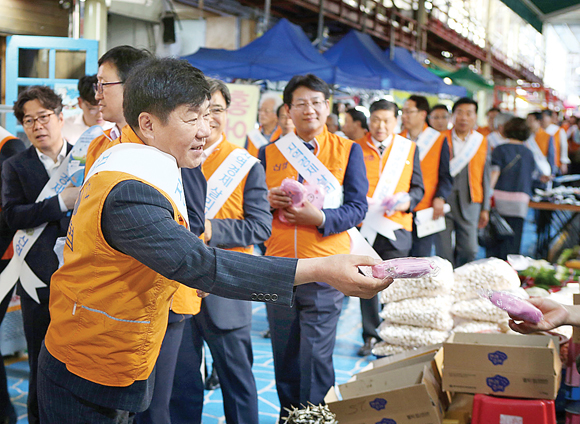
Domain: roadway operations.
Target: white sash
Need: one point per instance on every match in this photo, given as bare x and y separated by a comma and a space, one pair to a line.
314, 171
148, 164
375, 221
70, 170
310, 167
257, 138
471, 147
225, 179
541, 161
426, 140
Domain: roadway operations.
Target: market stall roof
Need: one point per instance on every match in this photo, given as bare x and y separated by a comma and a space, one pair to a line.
356, 54
466, 78
278, 55
538, 12
405, 60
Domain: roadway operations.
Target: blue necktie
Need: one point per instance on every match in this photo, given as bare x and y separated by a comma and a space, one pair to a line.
552, 155
311, 148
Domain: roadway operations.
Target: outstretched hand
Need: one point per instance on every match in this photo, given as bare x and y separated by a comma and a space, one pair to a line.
555, 315
341, 272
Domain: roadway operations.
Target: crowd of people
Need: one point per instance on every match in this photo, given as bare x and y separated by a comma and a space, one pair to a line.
159, 253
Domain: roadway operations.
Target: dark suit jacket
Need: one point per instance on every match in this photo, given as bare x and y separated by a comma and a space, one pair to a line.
23, 178
228, 314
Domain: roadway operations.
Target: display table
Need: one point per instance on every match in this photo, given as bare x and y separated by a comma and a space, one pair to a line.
551, 222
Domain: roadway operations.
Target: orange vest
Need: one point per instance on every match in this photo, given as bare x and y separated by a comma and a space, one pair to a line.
485, 131
430, 171
10, 249
253, 150
108, 311
305, 241
475, 168
233, 208
375, 165
97, 146
543, 142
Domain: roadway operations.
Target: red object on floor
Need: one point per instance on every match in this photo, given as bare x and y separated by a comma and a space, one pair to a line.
498, 410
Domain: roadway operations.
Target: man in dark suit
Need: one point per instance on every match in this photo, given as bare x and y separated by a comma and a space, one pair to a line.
128, 247
243, 220
39, 110
9, 146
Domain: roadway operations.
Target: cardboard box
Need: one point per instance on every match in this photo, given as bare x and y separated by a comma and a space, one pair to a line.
502, 365
404, 394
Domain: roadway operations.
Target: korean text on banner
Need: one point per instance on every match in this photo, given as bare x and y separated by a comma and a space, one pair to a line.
242, 112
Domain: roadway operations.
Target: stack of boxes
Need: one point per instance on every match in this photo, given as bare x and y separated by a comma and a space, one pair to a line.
572, 378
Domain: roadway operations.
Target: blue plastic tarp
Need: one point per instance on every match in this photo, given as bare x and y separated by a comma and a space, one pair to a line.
278, 55
405, 60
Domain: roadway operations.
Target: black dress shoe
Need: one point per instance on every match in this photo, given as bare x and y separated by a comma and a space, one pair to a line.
367, 348
213, 382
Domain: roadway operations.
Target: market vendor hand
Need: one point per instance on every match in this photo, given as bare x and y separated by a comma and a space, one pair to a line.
545, 178
306, 215
483, 219
202, 294
278, 198
555, 315
342, 273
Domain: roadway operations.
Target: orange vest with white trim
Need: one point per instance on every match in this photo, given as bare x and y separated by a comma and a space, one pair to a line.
185, 300
475, 168
233, 208
375, 166
253, 150
543, 142
305, 241
108, 311
485, 131
430, 171
96, 148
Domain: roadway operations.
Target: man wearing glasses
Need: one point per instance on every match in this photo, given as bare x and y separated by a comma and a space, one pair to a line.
235, 222
303, 336
76, 125
39, 110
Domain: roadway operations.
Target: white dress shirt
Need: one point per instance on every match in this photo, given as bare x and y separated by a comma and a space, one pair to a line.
51, 166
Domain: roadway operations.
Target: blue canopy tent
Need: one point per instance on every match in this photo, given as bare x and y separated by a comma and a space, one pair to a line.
356, 54
405, 60
278, 55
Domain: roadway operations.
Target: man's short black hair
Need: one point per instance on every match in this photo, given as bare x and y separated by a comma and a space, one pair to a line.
440, 106
536, 115
218, 85
45, 95
517, 129
493, 109
384, 105
309, 81
358, 116
547, 112
420, 102
124, 58
87, 89
464, 101
159, 86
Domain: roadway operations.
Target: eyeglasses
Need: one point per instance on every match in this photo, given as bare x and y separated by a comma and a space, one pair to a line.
98, 87
215, 111
42, 120
409, 112
316, 105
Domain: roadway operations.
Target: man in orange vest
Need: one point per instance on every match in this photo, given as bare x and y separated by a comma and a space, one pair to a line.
434, 155
551, 125
439, 118
540, 142
128, 249
269, 130
393, 168
303, 337
491, 114
470, 196
355, 124
235, 223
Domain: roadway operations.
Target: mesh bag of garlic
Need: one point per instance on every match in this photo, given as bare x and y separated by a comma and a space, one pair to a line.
491, 273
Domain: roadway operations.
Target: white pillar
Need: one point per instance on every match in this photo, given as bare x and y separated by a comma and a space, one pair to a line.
95, 23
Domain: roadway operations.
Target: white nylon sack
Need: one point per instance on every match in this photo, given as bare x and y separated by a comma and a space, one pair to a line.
430, 312
491, 273
410, 336
408, 288
478, 309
